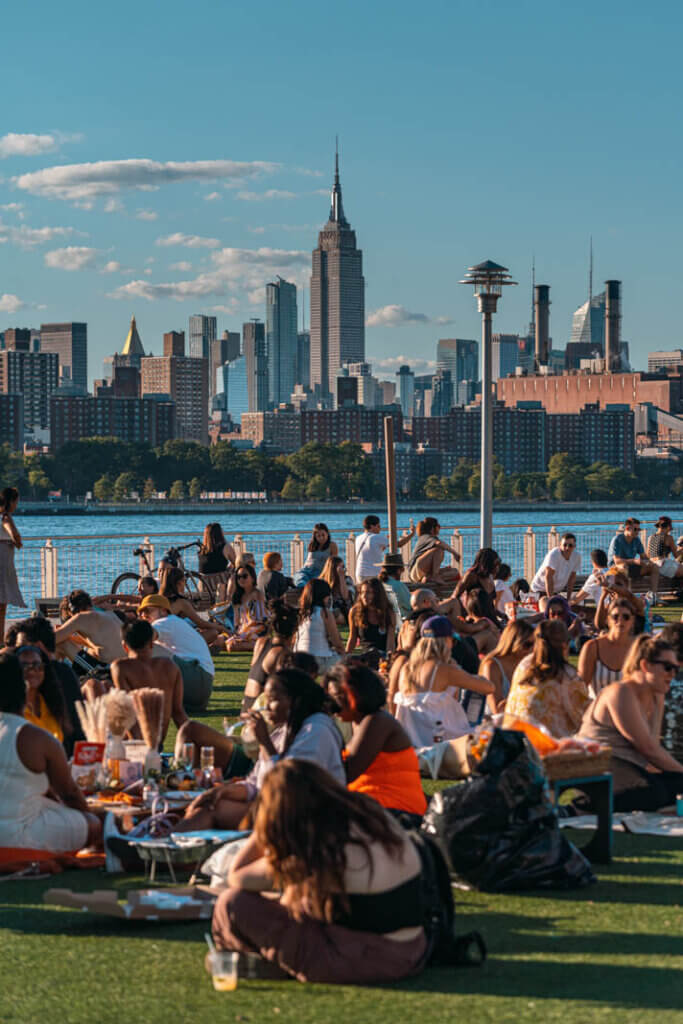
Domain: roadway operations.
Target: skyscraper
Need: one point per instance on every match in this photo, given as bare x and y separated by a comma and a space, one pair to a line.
303, 359
235, 389
70, 342
406, 391
337, 297
174, 343
254, 349
281, 340
460, 356
202, 332
504, 355
221, 351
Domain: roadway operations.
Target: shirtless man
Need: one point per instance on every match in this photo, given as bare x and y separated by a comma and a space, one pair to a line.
97, 630
140, 668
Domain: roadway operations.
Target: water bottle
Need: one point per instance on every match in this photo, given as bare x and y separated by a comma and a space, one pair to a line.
438, 731
150, 792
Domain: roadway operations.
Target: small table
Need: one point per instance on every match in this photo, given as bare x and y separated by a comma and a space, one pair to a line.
599, 789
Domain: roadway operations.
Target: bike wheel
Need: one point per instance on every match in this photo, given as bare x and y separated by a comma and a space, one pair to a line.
195, 589
126, 583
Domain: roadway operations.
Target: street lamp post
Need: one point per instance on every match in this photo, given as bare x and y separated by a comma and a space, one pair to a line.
489, 280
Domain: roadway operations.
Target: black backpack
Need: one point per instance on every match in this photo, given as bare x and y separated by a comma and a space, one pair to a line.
444, 947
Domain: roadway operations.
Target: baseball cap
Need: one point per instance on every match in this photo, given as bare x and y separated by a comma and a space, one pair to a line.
436, 627
155, 601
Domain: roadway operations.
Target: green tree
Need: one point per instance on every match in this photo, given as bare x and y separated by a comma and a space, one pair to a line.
566, 478
434, 487
177, 491
103, 488
195, 488
316, 488
149, 490
292, 490
39, 482
123, 485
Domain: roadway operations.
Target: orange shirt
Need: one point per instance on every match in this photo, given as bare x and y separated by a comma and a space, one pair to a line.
393, 780
44, 719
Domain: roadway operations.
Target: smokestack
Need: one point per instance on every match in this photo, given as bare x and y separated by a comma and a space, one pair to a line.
542, 306
612, 323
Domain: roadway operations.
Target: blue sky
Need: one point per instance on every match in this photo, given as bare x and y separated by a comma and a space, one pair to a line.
467, 132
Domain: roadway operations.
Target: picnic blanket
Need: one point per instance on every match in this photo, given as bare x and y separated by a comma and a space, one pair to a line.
641, 823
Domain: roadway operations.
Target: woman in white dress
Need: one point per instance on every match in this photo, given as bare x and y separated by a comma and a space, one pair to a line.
10, 539
33, 763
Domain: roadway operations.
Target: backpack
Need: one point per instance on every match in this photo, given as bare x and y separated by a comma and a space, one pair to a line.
444, 947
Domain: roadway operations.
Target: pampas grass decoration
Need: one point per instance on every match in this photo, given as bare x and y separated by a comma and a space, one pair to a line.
149, 705
93, 718
121, 714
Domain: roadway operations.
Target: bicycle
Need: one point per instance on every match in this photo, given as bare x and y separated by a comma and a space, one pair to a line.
127, 582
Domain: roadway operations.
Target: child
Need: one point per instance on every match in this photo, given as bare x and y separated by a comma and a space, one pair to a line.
503, 592
592, 588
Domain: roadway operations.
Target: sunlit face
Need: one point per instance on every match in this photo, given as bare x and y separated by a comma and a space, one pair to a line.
366, 594
631, 531
339, 695
33, 669
278, 702
244, 579
620, 620
661, 671
321, 536
567, 545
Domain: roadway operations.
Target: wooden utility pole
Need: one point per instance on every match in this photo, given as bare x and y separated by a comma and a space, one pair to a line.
390, 473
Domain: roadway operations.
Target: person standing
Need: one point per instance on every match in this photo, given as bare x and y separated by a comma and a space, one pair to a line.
370, 547
10, 541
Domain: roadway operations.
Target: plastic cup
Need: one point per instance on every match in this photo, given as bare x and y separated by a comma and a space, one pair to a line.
224, 970
188, 755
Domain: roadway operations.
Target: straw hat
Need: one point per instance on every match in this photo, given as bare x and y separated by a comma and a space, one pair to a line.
392, 561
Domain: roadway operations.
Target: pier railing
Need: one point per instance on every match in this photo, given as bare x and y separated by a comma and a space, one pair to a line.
54, 566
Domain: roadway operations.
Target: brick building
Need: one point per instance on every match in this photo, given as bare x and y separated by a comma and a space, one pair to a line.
35, 375
12, 421
286, 430
571, 392
149, 420
186, 381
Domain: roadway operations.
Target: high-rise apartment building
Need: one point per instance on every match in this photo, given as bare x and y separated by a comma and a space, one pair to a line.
235, 389
146, 420
70, 342
12, 421
35, 375
504, 355
254, 350
303, 359
186, 381
337, 297
221, 351
442, 393
174, 343
18, 339
281, 340
203, 330
460, 356
406, 391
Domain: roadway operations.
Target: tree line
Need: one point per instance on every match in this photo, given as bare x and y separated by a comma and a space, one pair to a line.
113, 470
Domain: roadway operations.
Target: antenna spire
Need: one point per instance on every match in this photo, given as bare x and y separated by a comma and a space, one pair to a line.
590, 272
533, 294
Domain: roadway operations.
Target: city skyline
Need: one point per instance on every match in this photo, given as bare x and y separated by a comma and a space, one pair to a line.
101, 197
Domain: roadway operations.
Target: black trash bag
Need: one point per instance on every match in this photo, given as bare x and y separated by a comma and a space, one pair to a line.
499, 830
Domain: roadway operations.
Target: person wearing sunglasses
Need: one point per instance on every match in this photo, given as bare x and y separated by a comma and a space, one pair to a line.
627, 716
558, 570
602, 659
628, 554
249, 610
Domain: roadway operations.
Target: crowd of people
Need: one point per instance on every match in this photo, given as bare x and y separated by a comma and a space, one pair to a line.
360, 684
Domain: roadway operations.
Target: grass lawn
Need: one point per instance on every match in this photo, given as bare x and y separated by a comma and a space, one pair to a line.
613, 952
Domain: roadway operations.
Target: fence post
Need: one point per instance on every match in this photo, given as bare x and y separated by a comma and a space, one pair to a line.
142, 568
238, 545
49, 576
296, 553
529, 554
350, 552
553, 538
457, 545
405, 553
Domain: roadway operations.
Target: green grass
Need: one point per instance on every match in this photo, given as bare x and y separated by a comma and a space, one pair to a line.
613, 952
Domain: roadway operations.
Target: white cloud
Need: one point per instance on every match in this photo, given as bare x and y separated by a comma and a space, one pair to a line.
73, 257
10, 303
232, 270
113, 206
28, 238
74, 182
228, 310
14, 144
146, 215
392, 364
13, 208
189, 241
257, 231
181, 265
271, 193
212, 197
399, 316
114, 267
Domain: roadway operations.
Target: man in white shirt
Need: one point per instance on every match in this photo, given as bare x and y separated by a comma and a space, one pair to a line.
558, 569
370, 547
186, 646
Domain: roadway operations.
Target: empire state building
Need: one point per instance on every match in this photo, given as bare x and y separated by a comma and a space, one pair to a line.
337, 297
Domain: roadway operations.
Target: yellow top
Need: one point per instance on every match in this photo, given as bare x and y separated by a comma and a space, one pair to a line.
44, 719
558, 704
132, 345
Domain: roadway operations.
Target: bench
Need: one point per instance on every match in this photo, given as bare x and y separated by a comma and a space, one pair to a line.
599, 789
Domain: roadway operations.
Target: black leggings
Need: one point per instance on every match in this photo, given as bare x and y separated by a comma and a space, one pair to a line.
636, 789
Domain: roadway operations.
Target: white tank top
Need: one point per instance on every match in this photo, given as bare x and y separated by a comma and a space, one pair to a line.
419, 712
312, 636
21, 790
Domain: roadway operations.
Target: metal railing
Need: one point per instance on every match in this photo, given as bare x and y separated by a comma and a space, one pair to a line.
51, 568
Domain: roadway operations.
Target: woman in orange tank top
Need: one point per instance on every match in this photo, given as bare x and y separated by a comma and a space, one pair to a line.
379, 758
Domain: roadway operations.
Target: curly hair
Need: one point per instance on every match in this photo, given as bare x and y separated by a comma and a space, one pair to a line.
380, 603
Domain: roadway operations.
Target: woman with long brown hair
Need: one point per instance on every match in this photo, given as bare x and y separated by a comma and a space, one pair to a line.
601, 661
351, 906
334, 574
320, 548
214, 560
249, 610
172, 587
516, 641
545, 689
10, 541
371, 620
318, 634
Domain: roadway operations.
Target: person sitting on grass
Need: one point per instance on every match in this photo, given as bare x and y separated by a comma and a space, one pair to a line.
614, 588
350, 909
379, 758
626, 716
45, 705
270, 650
95, 629
179, 640
172, 587
317, 633
271, 581
41, 807
602, 658
546, 690
341, 585
504, 595
296, 713
425, 565
478, 637
480, 577
371, 620
516, 641
558, 607
390, 576
249, 610
141, 669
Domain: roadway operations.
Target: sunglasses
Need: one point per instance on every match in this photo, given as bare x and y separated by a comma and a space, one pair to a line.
668, 666
242, 575
624, 616
567, 545
30, 664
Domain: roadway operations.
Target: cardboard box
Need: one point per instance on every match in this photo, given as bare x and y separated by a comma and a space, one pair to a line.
184, 903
